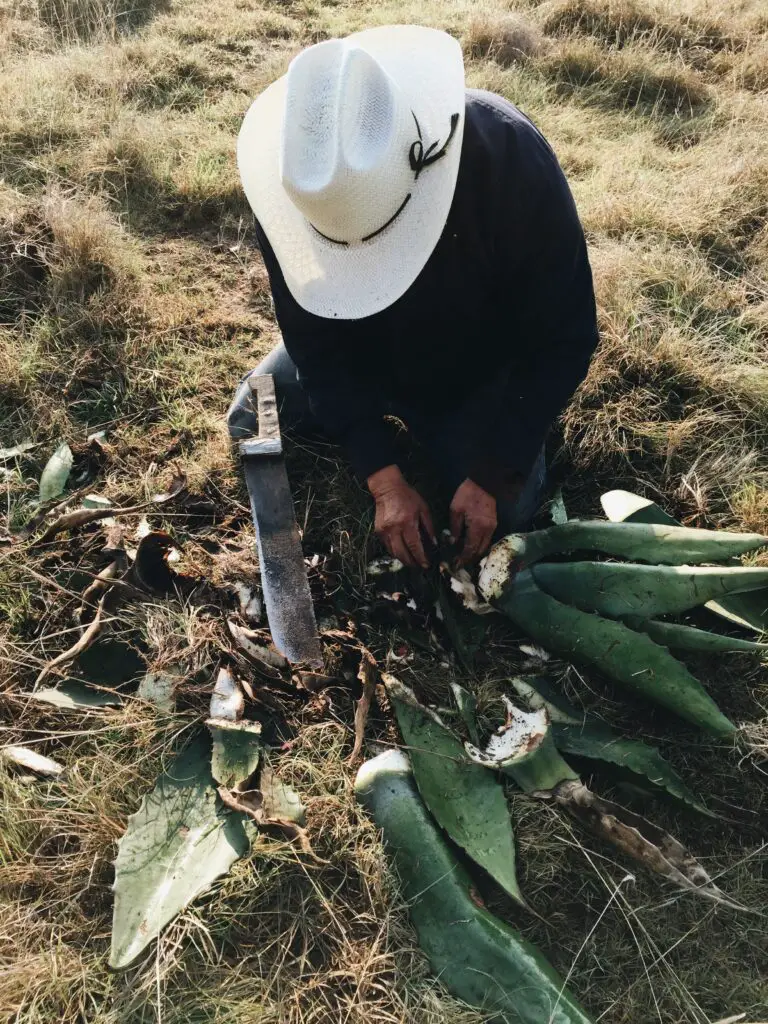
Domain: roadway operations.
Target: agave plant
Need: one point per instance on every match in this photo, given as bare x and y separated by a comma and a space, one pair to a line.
610, 613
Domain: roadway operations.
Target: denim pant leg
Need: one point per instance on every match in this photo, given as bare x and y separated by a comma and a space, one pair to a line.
516, 515
292, 402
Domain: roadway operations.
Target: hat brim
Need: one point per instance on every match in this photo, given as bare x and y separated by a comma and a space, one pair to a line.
355, 281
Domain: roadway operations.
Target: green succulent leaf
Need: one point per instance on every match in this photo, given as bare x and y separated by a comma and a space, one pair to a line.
666, 543
599, 743
56, 473
174, 848
749, 610
465, 799
236, 751
74, 696
688, 638
466, 702
627, 657
620, 589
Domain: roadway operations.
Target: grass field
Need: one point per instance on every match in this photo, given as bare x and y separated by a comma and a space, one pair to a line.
131, 300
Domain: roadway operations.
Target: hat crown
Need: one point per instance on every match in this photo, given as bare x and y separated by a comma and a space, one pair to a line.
347, 130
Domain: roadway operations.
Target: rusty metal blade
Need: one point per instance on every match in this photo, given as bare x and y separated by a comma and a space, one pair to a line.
283, 572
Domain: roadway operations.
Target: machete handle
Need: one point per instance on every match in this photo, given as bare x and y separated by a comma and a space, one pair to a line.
268, 440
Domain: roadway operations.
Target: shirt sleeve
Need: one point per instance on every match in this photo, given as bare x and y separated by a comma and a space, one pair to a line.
337, 373
551, 331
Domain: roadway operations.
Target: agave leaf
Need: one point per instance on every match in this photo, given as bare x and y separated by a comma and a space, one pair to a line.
688, 638
749, 610
56, 473
666, 544
159, 688
557, 510
599, 743
466, 702
236, 751
539, 693
465, 799
74, 696
281, 802
23, 757
523, 749
175, 846
620, 589
626, 656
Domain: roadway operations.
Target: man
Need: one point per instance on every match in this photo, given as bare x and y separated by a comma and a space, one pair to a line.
427, 263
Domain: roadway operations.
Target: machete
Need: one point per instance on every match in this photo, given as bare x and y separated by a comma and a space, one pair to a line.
283, 572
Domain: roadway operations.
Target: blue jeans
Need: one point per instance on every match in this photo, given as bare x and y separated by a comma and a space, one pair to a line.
514, 511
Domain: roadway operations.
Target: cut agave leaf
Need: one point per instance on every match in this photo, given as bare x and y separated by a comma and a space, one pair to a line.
466, 702
574, 733
626, 656
23, 757
749, 610
74, 696
159, 688
538, 692
281, 802
523, 749
465, 799
688, 638
599, 743
236, 751
667, 543
174, 848
620, 589
56, 473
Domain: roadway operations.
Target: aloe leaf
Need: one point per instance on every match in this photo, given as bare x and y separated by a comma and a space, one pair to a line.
627, 657
688, 638
748, 610
466, 702
56, 473
174, 848
465, 799
74, 696
523, 749
620, 589
599, 743
667, 543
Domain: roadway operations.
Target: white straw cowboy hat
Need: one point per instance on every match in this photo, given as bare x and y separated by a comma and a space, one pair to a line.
349, 162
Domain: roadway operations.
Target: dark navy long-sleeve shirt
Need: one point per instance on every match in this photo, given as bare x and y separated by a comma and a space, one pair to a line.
505, 296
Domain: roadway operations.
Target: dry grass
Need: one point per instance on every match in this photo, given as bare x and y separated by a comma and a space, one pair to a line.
131, 300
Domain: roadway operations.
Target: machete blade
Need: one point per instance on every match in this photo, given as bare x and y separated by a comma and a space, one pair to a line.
283, 571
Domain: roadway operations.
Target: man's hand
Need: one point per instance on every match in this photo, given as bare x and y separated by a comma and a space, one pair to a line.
400, 512
473, 511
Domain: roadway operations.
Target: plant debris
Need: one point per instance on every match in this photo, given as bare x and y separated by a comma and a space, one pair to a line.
56, 473
176, 845
23, 757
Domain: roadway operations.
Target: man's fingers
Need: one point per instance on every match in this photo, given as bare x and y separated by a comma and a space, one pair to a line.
478, 539
413, 541
398, 548
426, 518
457, 523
